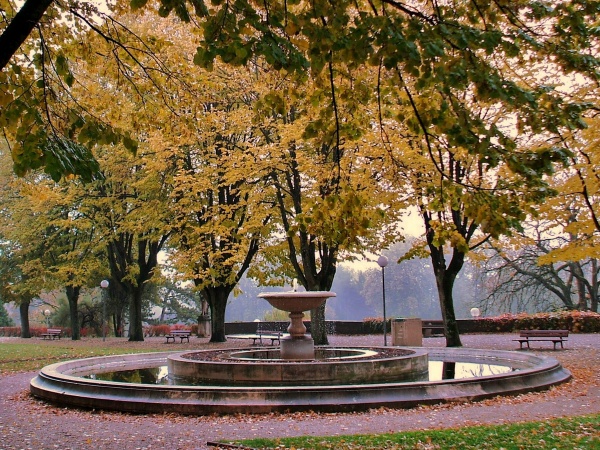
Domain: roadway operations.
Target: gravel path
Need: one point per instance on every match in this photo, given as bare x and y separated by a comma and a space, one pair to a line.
26, 423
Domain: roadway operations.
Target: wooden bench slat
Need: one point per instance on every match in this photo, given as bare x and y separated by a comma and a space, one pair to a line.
181, 334
273, 335
52, 333
431, 327
554, 336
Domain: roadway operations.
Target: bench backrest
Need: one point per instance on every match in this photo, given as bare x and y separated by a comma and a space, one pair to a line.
54, 331
544, 333
273, 332
433, 323
183, 332
270, 327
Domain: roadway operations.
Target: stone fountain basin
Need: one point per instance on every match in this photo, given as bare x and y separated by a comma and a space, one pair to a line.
296, 301
62, 383
262, 367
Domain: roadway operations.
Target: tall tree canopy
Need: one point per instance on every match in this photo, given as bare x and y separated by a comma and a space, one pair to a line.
468, 125
458, 89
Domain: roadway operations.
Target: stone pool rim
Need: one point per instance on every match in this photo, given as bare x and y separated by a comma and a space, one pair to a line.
369, 365
56, 384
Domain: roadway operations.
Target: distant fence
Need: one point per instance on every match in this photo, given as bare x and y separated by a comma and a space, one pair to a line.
574, 321
352, 327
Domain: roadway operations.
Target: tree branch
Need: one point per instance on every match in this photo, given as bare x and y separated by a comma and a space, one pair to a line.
20, 27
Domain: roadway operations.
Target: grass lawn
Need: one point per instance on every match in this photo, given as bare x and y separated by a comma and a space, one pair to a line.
35, 353
561, 434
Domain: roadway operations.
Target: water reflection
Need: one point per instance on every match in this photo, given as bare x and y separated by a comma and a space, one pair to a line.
438, 370
153, 375
442, 370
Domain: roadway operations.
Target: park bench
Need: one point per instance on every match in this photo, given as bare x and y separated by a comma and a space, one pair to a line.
261, 333
181, 334
274, 335
554, 336
432, 328
52, 333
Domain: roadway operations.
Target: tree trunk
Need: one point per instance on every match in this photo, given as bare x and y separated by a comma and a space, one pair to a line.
320, 281
581, 289
445, 283
444, 278
136, 330
318, 327
118, 302
24, 314
594, 288
73, 299
217, 300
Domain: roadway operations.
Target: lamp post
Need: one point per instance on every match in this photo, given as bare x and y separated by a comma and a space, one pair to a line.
104, 286
47, 314
383, 261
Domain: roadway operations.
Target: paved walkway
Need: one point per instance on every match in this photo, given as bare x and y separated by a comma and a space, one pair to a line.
26, 423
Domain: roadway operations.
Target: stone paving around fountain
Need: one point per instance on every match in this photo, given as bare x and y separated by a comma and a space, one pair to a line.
26, 423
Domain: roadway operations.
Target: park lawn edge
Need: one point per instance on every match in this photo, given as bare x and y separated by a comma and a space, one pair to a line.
27, 357
578, 432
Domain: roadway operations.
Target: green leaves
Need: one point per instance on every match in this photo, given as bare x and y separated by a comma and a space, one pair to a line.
64, 157
62, 69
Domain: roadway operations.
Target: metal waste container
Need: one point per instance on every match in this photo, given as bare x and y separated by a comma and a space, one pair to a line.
407, 332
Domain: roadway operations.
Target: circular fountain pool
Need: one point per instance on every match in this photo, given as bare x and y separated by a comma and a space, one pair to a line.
331, 366
64, 383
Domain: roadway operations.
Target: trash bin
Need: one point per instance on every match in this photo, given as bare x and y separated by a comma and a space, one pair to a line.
407, 332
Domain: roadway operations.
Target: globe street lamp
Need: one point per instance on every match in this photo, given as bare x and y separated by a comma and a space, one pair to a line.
475, 313
104, 286
47, 314
383, 261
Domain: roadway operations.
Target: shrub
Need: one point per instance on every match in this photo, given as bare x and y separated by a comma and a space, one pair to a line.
574, 321
157, 330
375, 325
10, 331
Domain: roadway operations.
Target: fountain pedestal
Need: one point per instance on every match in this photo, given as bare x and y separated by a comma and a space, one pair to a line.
298, 345
297, 348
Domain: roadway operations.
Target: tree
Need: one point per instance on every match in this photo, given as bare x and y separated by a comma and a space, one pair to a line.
21, 247
5, 320
133, 219
326, 179
43, 119
575, 211
438, 66
515, 278
132, 199
220, 207
450, 84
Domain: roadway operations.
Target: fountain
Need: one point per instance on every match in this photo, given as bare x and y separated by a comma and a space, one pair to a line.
296, 377
298, 345
295, 362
